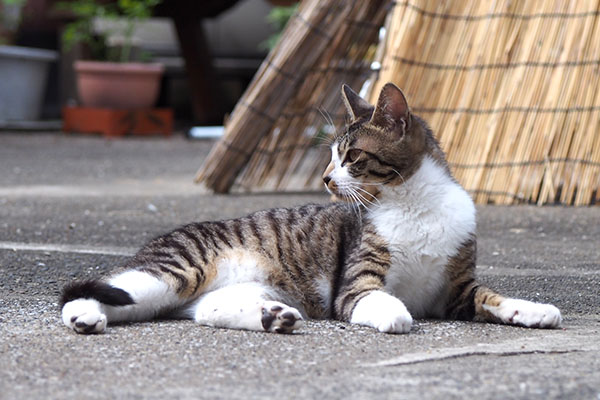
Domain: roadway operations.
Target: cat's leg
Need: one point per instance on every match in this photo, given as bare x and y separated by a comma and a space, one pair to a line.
468, 300
383, 312
490, 306
88, 306
362, 298
245, 306
483, 304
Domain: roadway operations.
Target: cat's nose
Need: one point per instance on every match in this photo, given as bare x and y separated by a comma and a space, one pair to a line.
326, 179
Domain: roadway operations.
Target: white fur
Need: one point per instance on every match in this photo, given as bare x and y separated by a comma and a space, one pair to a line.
237, 267
241, 306
425, 221
150, 294
339, 174
383, 312
526, 313
323, 286
84, 311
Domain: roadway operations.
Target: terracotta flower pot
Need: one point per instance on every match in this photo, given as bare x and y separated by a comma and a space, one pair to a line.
118, 85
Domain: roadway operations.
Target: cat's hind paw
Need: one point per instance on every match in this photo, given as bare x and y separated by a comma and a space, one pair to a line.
383, 312
527, 313
279, 318
84, 316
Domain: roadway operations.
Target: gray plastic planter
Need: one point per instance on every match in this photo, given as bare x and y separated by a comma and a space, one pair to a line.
23, 75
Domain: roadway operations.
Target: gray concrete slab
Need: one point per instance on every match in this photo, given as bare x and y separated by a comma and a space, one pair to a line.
70, 206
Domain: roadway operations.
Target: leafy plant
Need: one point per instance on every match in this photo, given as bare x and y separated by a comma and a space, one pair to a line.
13, 2
10, 18
82, 29
278, 17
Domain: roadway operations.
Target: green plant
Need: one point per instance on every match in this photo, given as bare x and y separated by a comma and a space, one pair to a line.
82, 29
278, 18
10, 18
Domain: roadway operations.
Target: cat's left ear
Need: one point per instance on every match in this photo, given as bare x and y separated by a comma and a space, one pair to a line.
357, 106
392, 110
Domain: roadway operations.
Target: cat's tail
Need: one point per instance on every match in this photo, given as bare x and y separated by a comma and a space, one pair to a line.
84, 304
89, 305
97, 290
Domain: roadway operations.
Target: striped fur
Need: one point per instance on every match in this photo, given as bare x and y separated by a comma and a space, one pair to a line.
403, 246
287, 243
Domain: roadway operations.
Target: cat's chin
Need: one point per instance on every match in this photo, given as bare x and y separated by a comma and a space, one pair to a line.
336, 193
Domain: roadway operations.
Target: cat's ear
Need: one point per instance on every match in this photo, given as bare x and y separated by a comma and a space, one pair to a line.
392, 109
357, 106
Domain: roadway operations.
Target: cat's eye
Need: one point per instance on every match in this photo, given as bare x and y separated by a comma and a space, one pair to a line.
352, 155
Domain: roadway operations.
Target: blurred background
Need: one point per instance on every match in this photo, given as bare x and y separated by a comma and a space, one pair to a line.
511, 89
209, 49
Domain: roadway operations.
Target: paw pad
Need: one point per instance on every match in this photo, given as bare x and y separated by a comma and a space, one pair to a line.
279, 318
88, 323
84, 316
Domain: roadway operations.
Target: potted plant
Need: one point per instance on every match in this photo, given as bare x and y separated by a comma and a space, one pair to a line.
23, 70
115, 77
10, 18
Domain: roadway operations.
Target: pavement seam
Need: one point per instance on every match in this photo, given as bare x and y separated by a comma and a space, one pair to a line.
68, 248
513, 348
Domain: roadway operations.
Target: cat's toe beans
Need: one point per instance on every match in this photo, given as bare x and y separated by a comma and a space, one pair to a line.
89, 323
84, 316
279, 318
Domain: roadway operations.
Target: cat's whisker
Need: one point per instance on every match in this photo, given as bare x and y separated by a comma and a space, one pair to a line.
370, 195
362, 199
355, 188
355, 207
327, 142
328, 139
371, 183
398, 173
359, 199
352, 196
326, 116
323, 141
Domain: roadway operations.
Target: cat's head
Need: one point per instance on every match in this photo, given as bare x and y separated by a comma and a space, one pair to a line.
381, 146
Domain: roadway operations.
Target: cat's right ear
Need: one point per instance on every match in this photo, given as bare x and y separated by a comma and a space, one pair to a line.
357, 106
392, 109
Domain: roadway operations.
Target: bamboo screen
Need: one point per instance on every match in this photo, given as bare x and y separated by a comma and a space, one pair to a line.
510, 88
272, 138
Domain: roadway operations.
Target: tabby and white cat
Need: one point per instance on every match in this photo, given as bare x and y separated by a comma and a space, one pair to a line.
403, 247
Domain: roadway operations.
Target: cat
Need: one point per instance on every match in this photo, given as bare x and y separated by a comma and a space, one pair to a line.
403, 246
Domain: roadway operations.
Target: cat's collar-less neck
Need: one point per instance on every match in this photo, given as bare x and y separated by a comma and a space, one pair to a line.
428, 182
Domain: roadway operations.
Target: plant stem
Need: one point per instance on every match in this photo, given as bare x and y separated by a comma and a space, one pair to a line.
126, 49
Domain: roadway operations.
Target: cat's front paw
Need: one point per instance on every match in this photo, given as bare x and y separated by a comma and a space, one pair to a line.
279, 318
84, 316
383, 312
528, 314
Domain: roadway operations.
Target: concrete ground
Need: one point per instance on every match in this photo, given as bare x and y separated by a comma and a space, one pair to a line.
73, 206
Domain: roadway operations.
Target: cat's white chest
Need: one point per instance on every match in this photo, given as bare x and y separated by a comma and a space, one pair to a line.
424, 222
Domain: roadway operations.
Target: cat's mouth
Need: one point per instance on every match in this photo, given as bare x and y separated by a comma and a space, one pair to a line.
350, 190
356, 193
